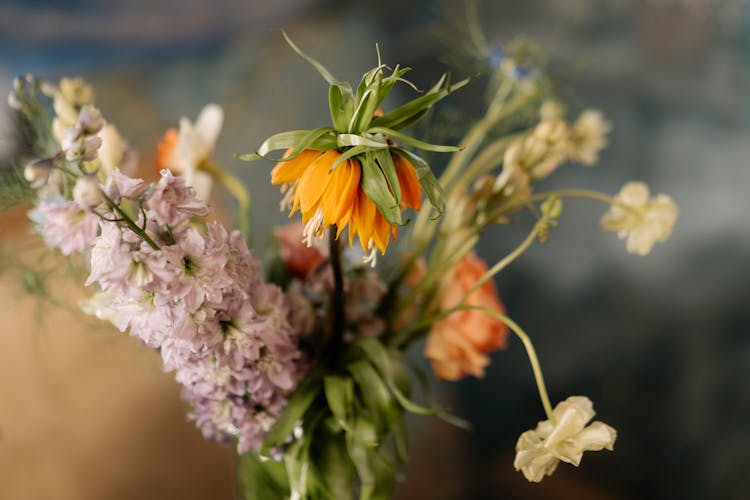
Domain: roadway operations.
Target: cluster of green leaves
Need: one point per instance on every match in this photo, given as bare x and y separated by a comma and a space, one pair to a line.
14, 190
346, 428
359, 131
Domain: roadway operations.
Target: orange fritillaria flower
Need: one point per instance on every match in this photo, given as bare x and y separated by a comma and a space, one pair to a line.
458, 344
328, 197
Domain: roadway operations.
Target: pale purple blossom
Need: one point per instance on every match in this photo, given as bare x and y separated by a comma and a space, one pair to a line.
200, 300
64, 225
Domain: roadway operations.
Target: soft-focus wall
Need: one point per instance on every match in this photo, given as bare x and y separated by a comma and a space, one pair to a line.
660, 344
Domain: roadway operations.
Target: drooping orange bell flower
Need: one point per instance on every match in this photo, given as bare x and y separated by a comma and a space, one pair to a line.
328, 197
458, 344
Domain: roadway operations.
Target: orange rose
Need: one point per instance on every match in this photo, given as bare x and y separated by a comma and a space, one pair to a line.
458, 344
300, 259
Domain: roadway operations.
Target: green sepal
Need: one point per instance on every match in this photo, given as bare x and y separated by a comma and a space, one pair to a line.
298, 404
261, 479
427, 179
375, 186
407, 114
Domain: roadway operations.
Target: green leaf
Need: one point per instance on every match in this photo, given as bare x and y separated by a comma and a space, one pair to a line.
341, 104
327, 76
299, 140
406, 139
339, 393
379, 357
408, 113
375, 187
374, 142
375, 394
427, 179
367, 104
336, 468
361, 446
388, 82
261, 479
349, 153
384, 160
298, 404
297, 465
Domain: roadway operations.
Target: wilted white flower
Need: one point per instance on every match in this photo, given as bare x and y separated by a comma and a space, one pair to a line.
539, 451
642, 220
86, 192
588, 137
185, 151
541, 152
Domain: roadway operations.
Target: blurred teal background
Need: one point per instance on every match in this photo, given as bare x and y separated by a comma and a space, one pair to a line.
660, 344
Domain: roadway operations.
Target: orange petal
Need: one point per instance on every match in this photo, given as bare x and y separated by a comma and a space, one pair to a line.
165, 149
411, 189
339, 194
313, 182
286, 172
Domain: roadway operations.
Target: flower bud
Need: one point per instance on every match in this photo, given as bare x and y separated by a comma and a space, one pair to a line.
90, 120
86, 192
36, 173
13, 101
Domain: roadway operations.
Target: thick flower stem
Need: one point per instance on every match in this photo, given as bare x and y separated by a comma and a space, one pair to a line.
338, 312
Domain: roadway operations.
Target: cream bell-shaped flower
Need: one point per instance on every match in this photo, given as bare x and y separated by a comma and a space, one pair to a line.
183, 152
539, 451
642, 220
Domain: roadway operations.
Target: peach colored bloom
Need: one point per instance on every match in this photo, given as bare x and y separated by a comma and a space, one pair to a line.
458, 344
300, 259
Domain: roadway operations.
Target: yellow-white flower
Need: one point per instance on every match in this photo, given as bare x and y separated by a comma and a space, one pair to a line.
642, 220
115, 152
588, 137
539, 451
188, 151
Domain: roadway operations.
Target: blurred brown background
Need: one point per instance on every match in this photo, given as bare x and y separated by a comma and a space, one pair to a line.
661, 344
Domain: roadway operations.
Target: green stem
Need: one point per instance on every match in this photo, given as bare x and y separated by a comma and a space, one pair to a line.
237, 188
524, 338
499, 266
505, 261
128, 221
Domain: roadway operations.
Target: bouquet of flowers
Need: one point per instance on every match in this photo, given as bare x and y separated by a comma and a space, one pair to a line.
301, 362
